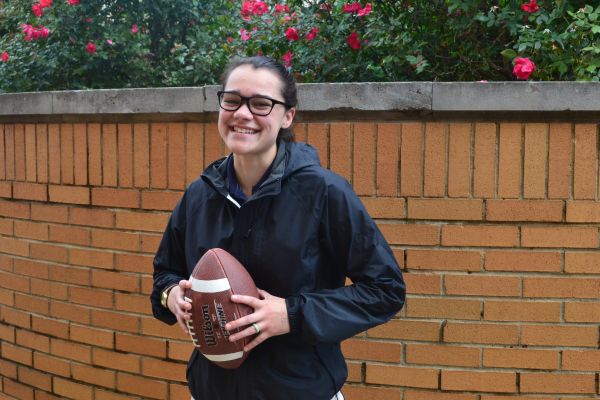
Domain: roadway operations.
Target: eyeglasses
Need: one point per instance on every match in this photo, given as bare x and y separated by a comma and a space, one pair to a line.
258, 105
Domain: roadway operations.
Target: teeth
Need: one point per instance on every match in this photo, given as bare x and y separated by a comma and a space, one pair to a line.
246, 131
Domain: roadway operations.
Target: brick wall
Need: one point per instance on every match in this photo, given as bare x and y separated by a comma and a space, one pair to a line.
496, 225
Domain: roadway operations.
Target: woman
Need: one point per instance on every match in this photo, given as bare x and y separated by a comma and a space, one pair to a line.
298, 229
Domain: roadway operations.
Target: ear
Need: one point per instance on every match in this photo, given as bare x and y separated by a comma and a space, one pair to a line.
288, 118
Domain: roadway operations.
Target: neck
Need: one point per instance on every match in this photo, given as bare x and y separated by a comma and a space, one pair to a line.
249, 169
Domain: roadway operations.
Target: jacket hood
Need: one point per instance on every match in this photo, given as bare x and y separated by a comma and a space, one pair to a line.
291, 157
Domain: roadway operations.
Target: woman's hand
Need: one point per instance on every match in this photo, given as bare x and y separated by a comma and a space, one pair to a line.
178, 306
269, 317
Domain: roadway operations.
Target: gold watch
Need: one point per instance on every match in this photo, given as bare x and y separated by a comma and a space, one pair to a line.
164, 296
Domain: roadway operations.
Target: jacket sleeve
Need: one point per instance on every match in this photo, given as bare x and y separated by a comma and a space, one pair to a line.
169, 261
355, 246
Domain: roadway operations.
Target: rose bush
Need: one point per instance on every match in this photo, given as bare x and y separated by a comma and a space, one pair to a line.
76, 44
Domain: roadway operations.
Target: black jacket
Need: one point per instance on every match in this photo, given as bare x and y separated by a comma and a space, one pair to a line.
299, 235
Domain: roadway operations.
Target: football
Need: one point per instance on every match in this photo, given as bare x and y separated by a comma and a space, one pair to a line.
217, 276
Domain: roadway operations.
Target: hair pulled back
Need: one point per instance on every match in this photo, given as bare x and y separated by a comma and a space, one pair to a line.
288, 84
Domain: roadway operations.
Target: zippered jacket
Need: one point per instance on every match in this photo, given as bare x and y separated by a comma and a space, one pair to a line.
300, 235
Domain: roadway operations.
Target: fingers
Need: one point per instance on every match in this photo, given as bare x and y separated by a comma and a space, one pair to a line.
179, 306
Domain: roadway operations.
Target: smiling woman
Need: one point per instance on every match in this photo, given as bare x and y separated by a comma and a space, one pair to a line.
299, 230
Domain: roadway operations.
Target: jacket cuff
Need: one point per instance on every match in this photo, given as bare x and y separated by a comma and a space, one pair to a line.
293, 304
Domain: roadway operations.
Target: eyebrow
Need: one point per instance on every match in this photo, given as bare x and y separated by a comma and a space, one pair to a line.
254, 95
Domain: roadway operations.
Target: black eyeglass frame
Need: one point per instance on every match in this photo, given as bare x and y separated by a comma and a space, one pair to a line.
246, 100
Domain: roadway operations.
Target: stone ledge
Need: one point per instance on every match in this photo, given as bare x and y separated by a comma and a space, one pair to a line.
344, 100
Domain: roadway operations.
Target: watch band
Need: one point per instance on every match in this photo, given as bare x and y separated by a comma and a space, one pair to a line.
165, 295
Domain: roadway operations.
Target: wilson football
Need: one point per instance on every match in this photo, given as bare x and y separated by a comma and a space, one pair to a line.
217, 276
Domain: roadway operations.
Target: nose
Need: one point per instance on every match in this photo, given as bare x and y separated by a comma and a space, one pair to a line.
243, 111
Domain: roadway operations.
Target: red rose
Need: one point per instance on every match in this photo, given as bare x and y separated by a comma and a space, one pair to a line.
278, 8
90, 48
246, 9
4, 56
530, 7
287, 59
365, 11
73, 2
37, 9
44, 32
259, 8
312, 34
45, 3
524, 67
353, 41
292, 34
134, 28
350, 8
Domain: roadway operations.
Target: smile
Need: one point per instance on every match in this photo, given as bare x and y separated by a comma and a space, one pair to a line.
245, 131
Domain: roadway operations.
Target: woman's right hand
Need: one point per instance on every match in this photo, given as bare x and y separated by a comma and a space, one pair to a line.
178, 306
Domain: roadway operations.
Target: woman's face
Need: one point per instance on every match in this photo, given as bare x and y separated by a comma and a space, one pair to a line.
244, 133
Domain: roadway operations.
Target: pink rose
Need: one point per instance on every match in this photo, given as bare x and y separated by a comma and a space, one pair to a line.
292, 34
524, 67
44, 32
353, 41
37, 9
312, 34
530, 7
350, 8
5, 56
73, 2
90, 48
278, 8
110, 42
259, 8
244, 35
365, 11
246, 9
230, 39
287, 59
45, 3
134, 28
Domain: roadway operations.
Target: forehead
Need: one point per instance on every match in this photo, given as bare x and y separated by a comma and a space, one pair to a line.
251, 81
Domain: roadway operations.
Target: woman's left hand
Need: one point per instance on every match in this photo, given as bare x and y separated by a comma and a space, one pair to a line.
269, 317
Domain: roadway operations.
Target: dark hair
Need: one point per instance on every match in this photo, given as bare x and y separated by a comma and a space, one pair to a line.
288, 84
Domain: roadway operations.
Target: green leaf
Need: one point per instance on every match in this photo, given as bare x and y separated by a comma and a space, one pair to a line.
508, 53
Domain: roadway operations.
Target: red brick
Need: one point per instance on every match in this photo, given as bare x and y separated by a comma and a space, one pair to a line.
176, 156
559, 236
53, 365
71, 351
557, 383
9, 138
520, 358
133, 262
443, 308
402, 376
72, 390
434, 165
54, 153
582, 263
582, 312
524, 210
194, 151
407, 330
147, 388
32, 340
50, 326
423, 283
455, 332
535, 311
411, 160
125, 159
16, 317
35, 378
116, 360
428, 354
69, 194
583, 211
384, 207
174, 371
410, 234
577, 288
509, 163
70, 234
31, 230
109, 155
7, 227
522, 261
2, 154
142, 221
143, 345
459, 160
445, 209
552, 335
340, 141
158, 155
6, 189
19, 391
115, 239
46, 288
363, 171
479, 381
559, 162
484, 164
94, 139
358, 349
115, 280
42, 152
14, 282
91, 258
70, 312
14, 209
91, 297
585, 171
431, 395
124, 198
444, 260
155, 200
482, 285
91, 217
49, 213
178, 350
141, 155
95, 376
23, 267
136, 303
30, 153
535, 160
581, 360
20, 152
80, 161
387, 159
93, 336
110, 395
17, 353
30, 191
480, 235
14, 246
114, 320
48, 252
66, 154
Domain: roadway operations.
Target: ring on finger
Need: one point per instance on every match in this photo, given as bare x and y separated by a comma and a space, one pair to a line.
256, 328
